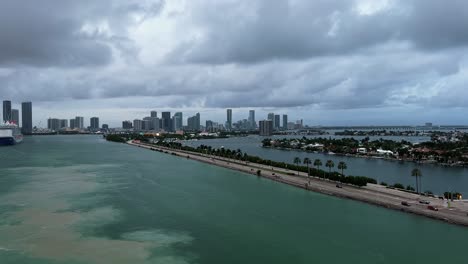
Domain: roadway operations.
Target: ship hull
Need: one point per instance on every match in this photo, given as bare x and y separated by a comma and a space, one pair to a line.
6, 141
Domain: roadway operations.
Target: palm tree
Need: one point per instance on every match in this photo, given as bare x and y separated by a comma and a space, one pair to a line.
307, 162
416, 173
330, 164
317, 163
297, 161
342, 166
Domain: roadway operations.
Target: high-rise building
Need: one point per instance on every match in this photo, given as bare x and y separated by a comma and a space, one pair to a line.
166, 121
105, 126
145, 125
94, 123
6, 110
277, 122
63, 123
79, 122
154, 114
154, 123
266, 127
285, 122
137, 125
209, 125
26, 118
252, 123
72, 123
177, 121
193, 123
127, 124
15, 116
229, 119
53, 124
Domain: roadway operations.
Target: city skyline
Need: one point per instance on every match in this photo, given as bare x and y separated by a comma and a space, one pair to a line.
402, 69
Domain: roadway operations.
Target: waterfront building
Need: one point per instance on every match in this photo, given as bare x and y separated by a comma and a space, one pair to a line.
6, 110
285, 122
63, 123
79, 122
252, 122
177, 121
15, 116
154, 114
72, 123
277, 122
137, 125
266, 127
229, 119
166, 121
127, 124
26, 118
94, 123
105, 126
53, 124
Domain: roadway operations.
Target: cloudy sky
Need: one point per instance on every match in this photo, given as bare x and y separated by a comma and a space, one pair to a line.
330, 62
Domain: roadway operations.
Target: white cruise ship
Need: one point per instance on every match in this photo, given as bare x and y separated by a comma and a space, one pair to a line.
10, 134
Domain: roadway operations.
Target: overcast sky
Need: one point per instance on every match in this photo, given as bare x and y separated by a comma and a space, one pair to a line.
330, 62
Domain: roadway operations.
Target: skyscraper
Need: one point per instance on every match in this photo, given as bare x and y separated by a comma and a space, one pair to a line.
166, 121
53, 124
63, 123
271, 116
193, 123
229, 119
72, 123
252, 123
6, 110
79, 122
15, 116
94, 123
177, 121
285, 122
127, 124
266, 127
154, 114
277, 122
137, 124
26, 118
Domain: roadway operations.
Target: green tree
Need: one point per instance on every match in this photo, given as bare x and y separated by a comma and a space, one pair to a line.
317, 163
330, 164
297, 161
417, 174
307, 162
342, 166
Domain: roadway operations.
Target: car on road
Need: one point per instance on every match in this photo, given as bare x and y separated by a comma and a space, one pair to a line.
433, 208
424, 202
339, 186
405, 203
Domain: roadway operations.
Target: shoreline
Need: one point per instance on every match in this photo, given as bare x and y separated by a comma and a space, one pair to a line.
371, 194
373, 157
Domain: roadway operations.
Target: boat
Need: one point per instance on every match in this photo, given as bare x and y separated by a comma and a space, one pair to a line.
10, 134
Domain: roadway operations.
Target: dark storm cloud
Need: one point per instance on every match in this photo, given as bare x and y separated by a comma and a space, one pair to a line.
303, 29
325, 54
51, 33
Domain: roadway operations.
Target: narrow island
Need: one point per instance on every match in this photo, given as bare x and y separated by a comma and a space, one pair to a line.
446, 207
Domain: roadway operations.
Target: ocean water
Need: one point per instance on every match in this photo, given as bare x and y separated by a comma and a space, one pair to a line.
80, 199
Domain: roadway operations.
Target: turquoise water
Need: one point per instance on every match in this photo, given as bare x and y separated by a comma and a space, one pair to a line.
79, 199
